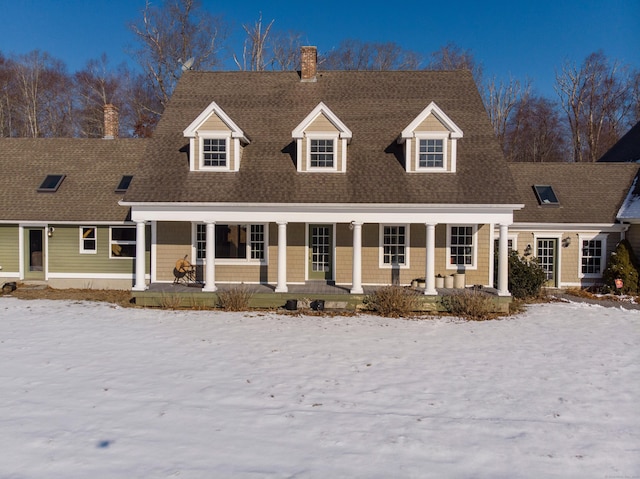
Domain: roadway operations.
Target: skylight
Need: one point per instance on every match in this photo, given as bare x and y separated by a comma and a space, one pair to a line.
546, 195
51, 183
124, 184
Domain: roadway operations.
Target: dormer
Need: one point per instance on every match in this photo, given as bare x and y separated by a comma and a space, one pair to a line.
321, 142
215, 141
430, 142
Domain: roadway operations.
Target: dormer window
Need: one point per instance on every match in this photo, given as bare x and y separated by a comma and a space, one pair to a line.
321, 142
322, 153
214, 152
431, 152
430, 142
215, 141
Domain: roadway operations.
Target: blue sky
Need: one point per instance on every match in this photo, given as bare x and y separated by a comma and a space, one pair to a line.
528, 39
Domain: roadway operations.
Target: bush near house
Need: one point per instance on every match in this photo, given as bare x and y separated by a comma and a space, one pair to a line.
623, 266
526, 277
393, 301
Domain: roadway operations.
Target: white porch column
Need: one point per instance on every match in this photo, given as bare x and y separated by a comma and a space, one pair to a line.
430, 269
281, 287
503, 261
210, 253
141, 241
356, 274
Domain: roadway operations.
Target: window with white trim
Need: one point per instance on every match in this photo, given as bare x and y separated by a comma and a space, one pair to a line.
394, 245
239, 242
214, 152
321, 153
88, 240
122, 242
431, 153
461, 239
592, 251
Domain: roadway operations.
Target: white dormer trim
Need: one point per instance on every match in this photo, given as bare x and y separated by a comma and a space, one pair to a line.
322, 109
411, 140
213, 108
432, 109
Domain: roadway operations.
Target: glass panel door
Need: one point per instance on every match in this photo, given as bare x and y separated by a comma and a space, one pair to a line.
34, 253
320, 249
546, 254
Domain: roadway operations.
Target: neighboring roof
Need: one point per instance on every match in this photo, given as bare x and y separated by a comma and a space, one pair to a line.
92, 168
627, 149
587, 192
375, 106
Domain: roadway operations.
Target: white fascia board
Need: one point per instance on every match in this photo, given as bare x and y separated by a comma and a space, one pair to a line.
454, 131
236, 131
298, 132
577, 227
37, 224
330, 213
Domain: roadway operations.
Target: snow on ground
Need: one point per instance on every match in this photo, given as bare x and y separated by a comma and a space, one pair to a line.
95, 391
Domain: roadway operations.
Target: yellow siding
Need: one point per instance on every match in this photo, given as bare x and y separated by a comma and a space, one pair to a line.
173, 243
431, 123
9, 249
214, 123
321, 124
296, 252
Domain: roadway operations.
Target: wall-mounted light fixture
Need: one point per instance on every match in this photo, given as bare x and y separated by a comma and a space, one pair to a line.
50, 231
528, 250
566, 242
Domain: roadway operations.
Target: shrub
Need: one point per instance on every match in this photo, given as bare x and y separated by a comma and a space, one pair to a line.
170, 301
471, 305
235, 299
526, 277
622, 265
393, 301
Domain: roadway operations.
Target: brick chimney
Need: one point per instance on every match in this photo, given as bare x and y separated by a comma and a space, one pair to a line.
110, 122
308, 63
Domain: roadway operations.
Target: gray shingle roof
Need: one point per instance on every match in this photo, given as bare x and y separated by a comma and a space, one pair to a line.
375, 106
626, 149
93, 169
587, 192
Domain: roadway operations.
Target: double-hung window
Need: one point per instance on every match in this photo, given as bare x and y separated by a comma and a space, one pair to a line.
122, 242
88, 240
394, 250
431, 154
462, 246
321, 155
592, 256
233, 242
214, 152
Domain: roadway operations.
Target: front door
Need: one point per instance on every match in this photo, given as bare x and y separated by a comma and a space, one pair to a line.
546, 254
34, 257
320, 252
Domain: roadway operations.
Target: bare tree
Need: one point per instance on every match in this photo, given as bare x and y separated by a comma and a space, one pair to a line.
595, 97
357, 55
535, 132
453, 57
254, 54
171, 34
500, 99
285, 48
95, 86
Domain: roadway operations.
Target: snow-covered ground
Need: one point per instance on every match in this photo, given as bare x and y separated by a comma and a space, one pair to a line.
95, 391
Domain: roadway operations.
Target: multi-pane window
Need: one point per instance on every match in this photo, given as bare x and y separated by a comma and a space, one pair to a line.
88, 240
214, 152
231, 241
394, 245
431, 153
122, 242
592, 256
461, 246
321, 153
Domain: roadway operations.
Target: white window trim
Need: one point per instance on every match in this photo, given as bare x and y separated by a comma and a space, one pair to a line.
112, 242
445, 161
474, 249
233, 261
407, 249
603, 258
83, 250
214, 135
322, 136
